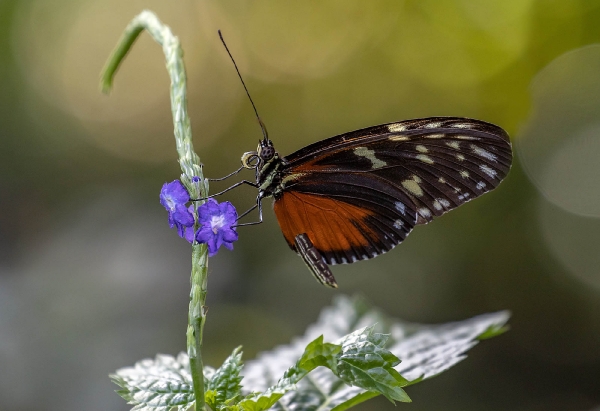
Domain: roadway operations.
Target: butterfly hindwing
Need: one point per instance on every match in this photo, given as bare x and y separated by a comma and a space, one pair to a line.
346, 219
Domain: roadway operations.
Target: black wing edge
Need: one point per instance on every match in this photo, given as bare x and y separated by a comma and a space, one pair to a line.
405, 127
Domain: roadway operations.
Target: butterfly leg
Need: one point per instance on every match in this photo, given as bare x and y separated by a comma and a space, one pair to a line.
250, 183
314, 260
260, 216
227, 176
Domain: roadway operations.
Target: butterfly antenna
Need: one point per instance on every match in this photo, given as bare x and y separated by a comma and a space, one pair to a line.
262, 125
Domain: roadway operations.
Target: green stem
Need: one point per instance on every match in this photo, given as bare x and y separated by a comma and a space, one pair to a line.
190, 167
197, 317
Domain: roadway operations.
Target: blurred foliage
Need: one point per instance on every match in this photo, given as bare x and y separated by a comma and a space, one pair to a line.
91, 278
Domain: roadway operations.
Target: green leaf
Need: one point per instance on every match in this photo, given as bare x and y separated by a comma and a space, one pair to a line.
162, 384
365, 363
225, 385
317, 353
425, 351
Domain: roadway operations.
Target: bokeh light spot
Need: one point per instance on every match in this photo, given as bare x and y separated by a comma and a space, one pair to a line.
560, 144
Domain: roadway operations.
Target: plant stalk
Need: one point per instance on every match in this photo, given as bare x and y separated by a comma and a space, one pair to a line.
190, 167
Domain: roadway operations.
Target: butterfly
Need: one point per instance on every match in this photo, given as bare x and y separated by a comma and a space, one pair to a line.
357, 195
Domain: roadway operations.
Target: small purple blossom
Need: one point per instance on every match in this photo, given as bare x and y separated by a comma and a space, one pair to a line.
216, 222
187, 232
174, 196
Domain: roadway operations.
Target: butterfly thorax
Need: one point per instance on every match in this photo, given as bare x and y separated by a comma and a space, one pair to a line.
267, 163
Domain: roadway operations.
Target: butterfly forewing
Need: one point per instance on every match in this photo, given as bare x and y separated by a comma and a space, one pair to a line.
359, 194
440, 163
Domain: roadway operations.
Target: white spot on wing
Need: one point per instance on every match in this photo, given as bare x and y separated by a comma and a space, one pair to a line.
463, 196
489, 171
481, 185
398, 138
413, 186
395, 128
425, 212
460, 157
462, 125
370, 155
424, 158
442, 180
453, 144
398, 224
483, 153
435, 124
400, 207
467, 138
464, 174
421, 149
436, 135
437, 205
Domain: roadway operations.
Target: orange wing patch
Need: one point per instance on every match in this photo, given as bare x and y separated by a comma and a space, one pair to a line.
335, 228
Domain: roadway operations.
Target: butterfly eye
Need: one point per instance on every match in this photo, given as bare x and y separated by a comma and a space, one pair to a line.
250, 159
266, 153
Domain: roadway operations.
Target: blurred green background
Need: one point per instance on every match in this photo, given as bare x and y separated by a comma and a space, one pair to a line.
92, 279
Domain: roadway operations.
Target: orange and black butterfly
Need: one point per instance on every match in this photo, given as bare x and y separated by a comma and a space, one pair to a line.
357, 195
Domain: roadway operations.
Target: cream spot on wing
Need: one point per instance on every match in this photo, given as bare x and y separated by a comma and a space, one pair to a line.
445, 203
442, 180
464, 174
394, 128
398, 224
462, 125
489, 171
424, 158
460, 157
413, 186
400, 207
369, 155
425, 212
398, 138
481, 185
436, 135
467, 138
437, 205
453, 144
463, 196
483, 153
421, 149
432, 125
291, 177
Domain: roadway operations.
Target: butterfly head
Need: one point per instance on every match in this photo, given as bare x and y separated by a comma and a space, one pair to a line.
264, 153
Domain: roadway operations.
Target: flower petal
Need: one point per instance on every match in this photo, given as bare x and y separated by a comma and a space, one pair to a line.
212, 246
183, 216
204, 234
229, 235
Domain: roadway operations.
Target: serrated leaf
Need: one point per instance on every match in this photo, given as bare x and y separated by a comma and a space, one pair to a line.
225, 385
365, 363
317, 353
425, 351
161, 384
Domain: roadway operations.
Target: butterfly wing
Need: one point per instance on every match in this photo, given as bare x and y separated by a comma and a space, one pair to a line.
359, 194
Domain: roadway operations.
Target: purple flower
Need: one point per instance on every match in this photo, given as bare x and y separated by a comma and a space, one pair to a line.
174, 196
188, 232
216, 225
